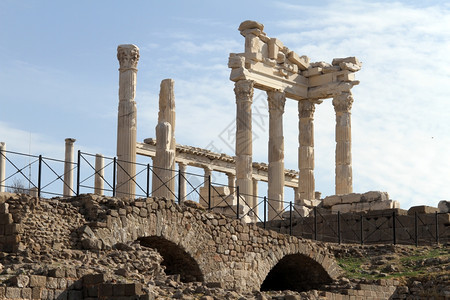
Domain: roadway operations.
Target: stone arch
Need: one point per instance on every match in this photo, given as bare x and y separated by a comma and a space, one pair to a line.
297, 272
176, 259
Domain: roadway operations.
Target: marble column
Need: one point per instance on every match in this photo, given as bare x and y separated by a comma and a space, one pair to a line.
231, 182
208, 172
2, 166
182, 181
167, 114
243, 90
306, 184
68, 168
162, 162
275, 185
99, 174
344, 178
128, 56
254, 204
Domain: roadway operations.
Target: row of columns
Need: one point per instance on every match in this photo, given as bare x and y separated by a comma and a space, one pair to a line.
306, 185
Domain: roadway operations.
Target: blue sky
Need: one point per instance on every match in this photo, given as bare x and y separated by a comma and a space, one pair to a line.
59, 79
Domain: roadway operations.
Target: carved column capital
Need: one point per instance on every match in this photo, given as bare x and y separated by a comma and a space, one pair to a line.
343, 102
306, 109
128, 56
244, 90
276, 100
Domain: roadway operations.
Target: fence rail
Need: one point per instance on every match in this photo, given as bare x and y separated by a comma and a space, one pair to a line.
45, 176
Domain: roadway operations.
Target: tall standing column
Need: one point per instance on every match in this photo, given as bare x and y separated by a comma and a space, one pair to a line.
276, 101
2, 166
68, 168
306, 184
182, 180
128, 56
243, 90
167, 114
344, 178
99, 174
254, 203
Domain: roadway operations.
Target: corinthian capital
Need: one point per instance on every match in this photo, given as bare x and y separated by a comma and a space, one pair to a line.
128, 56
276, 100
243, 90
306, 109
343, 102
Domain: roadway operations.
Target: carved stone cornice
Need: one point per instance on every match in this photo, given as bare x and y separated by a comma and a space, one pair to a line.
128, 56
276, 100
244, 90
306, 109
343, 102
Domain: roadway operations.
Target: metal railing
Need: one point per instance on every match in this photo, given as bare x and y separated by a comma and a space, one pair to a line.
45, 176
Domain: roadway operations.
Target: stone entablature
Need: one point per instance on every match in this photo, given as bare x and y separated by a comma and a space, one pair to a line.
220, 162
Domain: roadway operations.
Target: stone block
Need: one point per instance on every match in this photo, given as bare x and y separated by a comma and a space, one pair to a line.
342, 208
20, 281
2, 292
4, 208
361, 207
38, 281
58, 272
133, 289
329, 201
6, 219
422, 209
381, 205
106, 290
52, 283
37, 293
60, 294
351, 198
374, 196
298, 211
444, 206
12, 293
26, 293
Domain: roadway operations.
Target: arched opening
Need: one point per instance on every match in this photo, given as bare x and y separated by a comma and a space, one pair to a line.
176, 260
295, 272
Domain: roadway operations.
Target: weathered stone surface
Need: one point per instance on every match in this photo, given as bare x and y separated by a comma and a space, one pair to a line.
422, 209
444, 206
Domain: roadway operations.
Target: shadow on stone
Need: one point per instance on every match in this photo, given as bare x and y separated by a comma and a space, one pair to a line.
176, 260
295, 272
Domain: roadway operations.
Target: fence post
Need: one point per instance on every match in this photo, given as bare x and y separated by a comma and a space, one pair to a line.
237, 207
416, 230
290, 217
148, 181
39, 175
315, 223
361, 225
209, 192
436, 218
78, 172
179, 186
394, 234
114, 177
339, 226
264, 213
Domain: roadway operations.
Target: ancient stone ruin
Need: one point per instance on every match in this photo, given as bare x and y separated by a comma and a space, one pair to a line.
94, 246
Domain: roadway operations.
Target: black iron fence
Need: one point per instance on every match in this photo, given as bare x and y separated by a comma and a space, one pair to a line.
41, 176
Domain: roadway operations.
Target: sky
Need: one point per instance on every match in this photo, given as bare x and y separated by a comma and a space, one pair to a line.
59, 78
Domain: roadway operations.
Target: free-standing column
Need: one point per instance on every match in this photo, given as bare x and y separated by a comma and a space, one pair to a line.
254, 203
2, 166
306, 183
99, 174
342, 106
167, 114
276, 101
208, 172
128, 56
243, 90
68, 168
182, 181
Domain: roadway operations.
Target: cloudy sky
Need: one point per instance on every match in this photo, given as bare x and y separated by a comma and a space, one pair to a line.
59, 78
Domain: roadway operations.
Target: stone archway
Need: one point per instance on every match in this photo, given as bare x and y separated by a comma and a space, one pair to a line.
296, 272
176, 259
